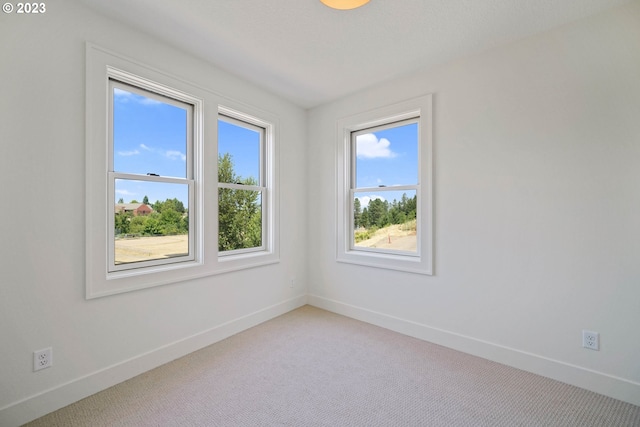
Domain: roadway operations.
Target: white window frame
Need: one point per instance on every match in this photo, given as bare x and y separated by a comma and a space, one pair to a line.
265, 185
417, 109
102, 65
134, 84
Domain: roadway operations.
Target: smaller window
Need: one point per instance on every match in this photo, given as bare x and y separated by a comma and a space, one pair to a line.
384, 188
241, 186
247, 190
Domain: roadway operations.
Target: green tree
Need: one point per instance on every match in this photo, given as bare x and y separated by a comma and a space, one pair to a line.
239, 210
169, 204
378, 213
136, 225
357, 213
411, 208
122, 222
145, 200
183, 226
364, 218
169, 222
151, 226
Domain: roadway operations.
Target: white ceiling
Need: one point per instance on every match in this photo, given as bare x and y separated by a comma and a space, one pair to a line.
310, 54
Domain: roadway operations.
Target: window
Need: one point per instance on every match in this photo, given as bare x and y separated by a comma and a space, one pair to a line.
155, 211
384, 187
245, 185
151, 159
240, 186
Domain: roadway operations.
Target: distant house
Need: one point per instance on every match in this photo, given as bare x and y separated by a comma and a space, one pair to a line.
135, 208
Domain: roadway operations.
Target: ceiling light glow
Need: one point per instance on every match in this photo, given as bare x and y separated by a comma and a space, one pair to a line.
344, 4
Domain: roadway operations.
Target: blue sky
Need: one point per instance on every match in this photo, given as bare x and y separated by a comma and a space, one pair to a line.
244, 146
149, 136
387, 157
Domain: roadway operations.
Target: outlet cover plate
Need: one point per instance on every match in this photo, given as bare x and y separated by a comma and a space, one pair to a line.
591, 340
42, 359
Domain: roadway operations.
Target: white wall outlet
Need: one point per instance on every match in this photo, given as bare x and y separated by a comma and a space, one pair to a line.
292, 282
42, 358
591, 340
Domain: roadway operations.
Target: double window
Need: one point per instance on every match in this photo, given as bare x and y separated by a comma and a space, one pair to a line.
156, 211
384, 187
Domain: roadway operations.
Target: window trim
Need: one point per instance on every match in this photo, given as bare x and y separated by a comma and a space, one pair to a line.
419, 109
98, 283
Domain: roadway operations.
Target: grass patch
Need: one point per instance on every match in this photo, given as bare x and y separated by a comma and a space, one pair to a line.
409, 226
364, 234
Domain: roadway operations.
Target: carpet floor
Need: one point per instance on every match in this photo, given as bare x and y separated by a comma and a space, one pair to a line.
311, 367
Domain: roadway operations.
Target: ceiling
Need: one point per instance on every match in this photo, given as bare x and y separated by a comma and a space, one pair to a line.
311, 54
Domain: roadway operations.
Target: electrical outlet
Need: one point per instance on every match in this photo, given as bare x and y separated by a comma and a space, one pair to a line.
591, 340
292, 282
42, 359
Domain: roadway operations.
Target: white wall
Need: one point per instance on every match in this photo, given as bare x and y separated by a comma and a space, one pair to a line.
537, 201
100, 342
537, 194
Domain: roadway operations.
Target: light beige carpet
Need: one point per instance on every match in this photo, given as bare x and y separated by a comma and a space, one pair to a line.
310, 367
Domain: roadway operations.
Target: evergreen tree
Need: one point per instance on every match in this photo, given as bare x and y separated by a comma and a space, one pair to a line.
364, 218
357, 213
377, 213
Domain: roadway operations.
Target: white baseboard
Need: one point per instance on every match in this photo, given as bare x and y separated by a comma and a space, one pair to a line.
608, 385
62, 395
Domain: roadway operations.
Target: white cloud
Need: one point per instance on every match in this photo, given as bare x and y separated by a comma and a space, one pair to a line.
125, 192
123, 96
149, 101
175, 155
364, 200
370, 147
169, 154
128, 153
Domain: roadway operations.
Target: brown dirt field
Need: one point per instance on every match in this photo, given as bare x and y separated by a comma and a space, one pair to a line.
392, 237
149, 248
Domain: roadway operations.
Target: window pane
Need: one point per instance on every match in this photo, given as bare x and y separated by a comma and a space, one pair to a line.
239, 219
238, 153
149, 136
385, 220
387, 157
146, 230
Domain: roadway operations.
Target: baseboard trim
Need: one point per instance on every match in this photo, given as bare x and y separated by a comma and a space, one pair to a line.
598, 382
33, 407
